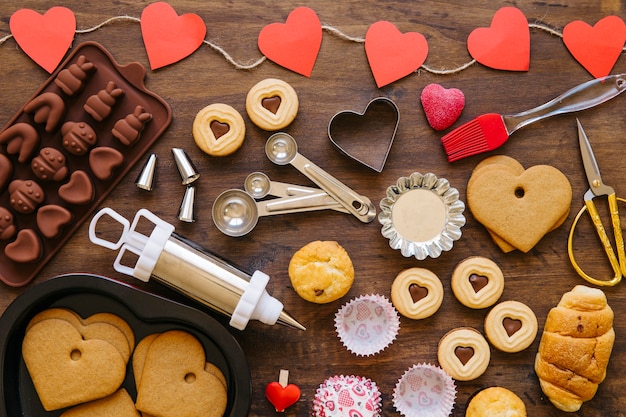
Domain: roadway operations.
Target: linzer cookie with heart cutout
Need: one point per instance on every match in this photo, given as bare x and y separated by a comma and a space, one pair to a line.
66, 150
219, 129
477, 282
511, 326
519, 208
417, 293
464, 353
272, 104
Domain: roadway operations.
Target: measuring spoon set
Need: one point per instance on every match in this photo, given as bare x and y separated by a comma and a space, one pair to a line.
236, 212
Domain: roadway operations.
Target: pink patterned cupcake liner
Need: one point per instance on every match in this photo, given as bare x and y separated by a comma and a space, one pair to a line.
424, 391
347, 396
367, 324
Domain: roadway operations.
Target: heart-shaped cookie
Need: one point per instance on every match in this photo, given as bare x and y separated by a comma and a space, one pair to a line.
505, 45
596, 47
520, 209
174, 377
366, 137
442, 106
168, 37
392, 54
67, 369
295, 43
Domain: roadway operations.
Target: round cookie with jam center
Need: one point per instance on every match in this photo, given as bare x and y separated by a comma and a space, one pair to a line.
477, 282
496, 402
272, 104
464, 353
219, 129
321, 271
417, 293
511, 326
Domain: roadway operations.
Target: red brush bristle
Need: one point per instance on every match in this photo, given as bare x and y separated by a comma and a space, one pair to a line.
484, 133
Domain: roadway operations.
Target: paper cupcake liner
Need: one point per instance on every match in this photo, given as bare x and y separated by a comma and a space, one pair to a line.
424, 391
347, 396
367, 324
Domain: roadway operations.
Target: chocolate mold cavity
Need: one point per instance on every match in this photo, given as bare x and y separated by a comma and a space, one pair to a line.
52, 172
73, 78
49, 165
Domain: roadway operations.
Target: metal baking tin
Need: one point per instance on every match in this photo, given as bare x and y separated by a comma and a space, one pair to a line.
146, 313
421, 215
366, 137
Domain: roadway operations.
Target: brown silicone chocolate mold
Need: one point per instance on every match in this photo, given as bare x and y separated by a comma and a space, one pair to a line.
65, 151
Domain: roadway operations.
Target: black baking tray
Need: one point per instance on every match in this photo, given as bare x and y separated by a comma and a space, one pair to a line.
146, 313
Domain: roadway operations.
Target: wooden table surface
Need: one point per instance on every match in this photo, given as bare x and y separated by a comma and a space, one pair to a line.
342, 80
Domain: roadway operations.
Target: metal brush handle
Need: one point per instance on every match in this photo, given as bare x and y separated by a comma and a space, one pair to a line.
581, 97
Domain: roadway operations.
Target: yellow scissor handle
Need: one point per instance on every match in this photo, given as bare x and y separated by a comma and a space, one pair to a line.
618, 263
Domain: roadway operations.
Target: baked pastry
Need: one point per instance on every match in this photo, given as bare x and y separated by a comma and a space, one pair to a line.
219, 129
272, 104
496, 402
575, 347
417, 293
464, 353
321, 271
477, 282
511, 326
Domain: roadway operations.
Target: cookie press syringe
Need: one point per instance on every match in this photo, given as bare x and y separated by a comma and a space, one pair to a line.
192, 270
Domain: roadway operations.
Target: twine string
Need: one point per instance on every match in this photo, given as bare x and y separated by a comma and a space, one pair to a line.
327, 28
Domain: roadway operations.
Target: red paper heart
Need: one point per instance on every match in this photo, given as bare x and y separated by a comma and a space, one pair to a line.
597, 47
282, 397
294, 44
392, 54
168, 37
505, 45
44, 38
442, 106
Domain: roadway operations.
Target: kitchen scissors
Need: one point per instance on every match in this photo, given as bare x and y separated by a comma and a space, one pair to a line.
597, 188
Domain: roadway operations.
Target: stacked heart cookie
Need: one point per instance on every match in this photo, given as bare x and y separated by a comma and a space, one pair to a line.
80, 364
173, 377
518, 206
73, 360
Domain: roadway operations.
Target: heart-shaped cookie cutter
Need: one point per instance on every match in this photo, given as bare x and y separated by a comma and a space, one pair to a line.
348, 129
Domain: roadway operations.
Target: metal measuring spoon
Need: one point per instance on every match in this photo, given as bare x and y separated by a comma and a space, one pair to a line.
259, 185
282, 149
236, 213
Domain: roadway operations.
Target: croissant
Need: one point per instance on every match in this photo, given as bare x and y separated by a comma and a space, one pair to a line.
575, 348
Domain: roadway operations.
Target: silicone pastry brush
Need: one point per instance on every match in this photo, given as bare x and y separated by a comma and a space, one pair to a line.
490, 131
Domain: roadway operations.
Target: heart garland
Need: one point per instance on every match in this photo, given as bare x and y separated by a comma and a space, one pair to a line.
597, 47
295, 44
168, 37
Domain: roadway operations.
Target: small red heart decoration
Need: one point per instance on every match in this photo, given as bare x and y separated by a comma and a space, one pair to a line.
391, 54
44, 38
597, 47
505, 45
295, 43
168, 37
442, 106
282, 397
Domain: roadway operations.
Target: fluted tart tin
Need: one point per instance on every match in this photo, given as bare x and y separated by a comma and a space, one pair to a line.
422, 215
